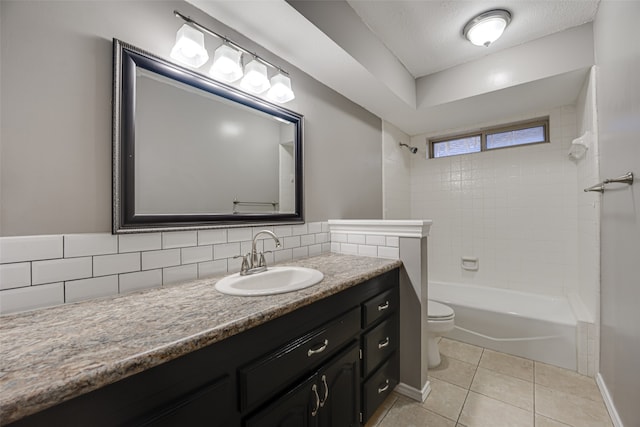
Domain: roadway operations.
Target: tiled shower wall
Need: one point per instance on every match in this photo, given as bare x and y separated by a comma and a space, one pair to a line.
41, 271
514, 209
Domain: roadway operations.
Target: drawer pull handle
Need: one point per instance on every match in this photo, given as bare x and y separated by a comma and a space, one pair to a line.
383, 307
315, 410
382, 344
320, 349
384, 388
326, 391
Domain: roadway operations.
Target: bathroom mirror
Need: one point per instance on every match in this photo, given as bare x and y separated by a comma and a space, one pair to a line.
191, 152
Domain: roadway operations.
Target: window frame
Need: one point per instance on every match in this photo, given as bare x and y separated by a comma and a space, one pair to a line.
483, 132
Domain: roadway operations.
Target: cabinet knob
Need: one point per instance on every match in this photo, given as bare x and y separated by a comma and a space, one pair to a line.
383, 307
319, 349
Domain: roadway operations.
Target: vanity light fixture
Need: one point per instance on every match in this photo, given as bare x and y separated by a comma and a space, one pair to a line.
255, 77
280, 88
189, 48
487, 27
227, 62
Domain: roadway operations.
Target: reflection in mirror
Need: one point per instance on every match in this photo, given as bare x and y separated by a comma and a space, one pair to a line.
192, 152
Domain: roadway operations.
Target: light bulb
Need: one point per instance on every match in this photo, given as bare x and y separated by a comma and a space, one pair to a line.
226, 64
280, 89
189, 48
255, 77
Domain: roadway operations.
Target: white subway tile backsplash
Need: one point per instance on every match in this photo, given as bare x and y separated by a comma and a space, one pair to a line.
58, 270
339, 237
212, 268
291, 242
282, 230
349, 248
15, 275
393, 241
179, 239
307, 239
130, 282
366, 250
322, 237
78, 290
298, 230
179, 274
239, 234
226, 250
98, 264
335, 247
197, 254
358, 239
315, 250
302, 252
283, 255
104, 265
30, 248
375, 240
31, 297
388, 252
139, 242
211, 237
78, 245
159, 259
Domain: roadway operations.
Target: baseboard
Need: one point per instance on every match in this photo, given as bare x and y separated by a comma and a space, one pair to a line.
604, 391
414, 393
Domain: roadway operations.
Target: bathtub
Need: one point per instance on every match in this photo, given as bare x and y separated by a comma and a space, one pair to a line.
537, 327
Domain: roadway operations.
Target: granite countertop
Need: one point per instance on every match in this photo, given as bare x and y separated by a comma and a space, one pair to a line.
53, 355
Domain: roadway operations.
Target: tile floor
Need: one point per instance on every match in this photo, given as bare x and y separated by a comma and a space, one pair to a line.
478, 387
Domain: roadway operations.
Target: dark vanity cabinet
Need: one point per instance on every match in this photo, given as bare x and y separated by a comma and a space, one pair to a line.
328, 364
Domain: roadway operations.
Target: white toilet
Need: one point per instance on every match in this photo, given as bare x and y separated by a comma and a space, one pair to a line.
440, 321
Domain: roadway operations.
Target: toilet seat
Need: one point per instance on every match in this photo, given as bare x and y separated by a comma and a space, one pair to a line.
439, 312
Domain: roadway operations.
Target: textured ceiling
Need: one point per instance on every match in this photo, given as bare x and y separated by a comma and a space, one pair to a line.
426, 36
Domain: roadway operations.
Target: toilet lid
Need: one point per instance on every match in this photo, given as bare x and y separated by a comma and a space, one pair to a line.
438, 311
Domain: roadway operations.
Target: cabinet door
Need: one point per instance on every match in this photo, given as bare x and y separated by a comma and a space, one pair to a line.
297, 408
338, 384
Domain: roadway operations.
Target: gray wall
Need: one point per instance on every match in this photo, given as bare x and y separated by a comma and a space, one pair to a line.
618, 103
56, 117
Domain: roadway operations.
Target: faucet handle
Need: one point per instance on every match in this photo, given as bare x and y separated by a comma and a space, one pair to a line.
263, 262
245, 262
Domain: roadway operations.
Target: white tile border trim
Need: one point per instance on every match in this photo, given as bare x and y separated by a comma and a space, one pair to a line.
608, 402
401, 228
414, 393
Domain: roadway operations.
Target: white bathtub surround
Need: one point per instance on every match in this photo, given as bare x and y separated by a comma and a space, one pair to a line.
538, 327
42, 271
405, 240
515, 209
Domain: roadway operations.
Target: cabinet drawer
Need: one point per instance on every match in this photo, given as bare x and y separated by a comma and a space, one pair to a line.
377, 388
379, 343
379, 306
275, 371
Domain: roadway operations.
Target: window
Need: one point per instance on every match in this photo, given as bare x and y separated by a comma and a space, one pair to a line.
523, 133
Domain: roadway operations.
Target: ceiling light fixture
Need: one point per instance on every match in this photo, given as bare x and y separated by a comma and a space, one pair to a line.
487, 27
227, 61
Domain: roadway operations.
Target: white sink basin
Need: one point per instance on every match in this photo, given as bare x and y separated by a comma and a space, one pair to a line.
276, 280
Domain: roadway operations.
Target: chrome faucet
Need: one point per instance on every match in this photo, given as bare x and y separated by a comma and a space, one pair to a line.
253, 262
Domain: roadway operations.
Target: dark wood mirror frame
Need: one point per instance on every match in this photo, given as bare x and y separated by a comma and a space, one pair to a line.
126, 60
